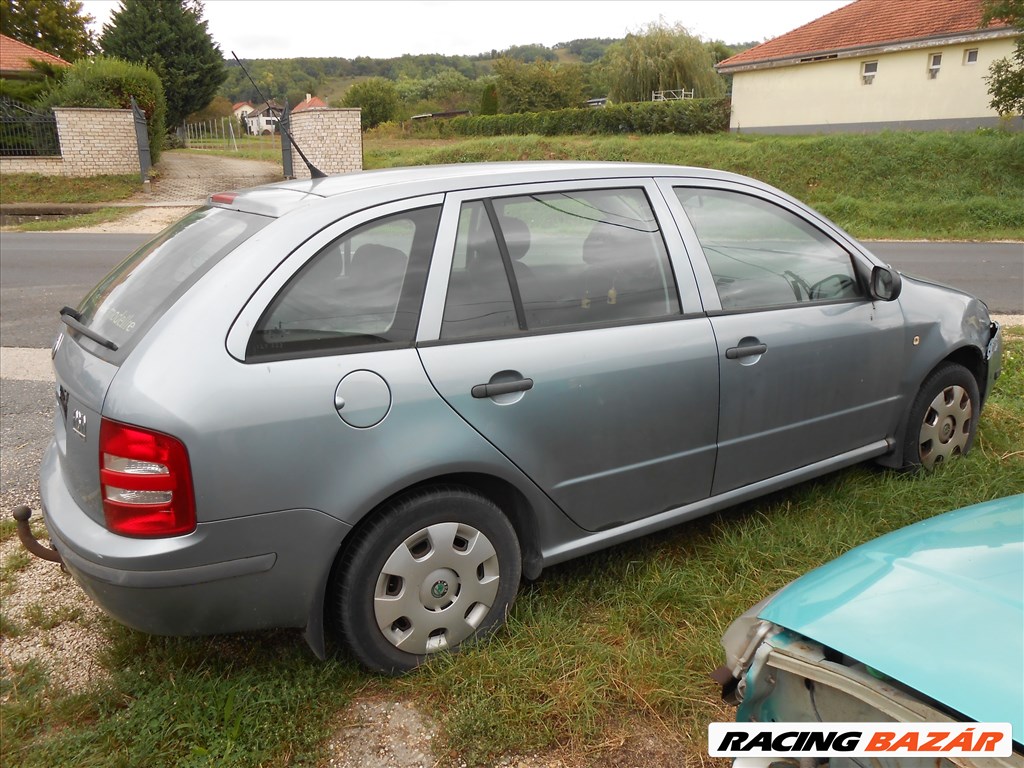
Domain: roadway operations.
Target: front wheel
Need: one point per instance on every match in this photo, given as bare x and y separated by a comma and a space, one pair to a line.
433, 570
943, 418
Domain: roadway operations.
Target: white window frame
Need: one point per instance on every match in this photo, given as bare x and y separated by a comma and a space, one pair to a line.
934, 65
867, 77
968, 61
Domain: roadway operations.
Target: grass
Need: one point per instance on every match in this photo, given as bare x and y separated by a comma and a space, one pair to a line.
899, 186
8, 528
14, 561
267, 148
36, 188
41, 616
942, 186
599, 648
91, 219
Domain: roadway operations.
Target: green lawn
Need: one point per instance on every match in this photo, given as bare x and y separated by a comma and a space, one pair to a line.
599, 648
36, 188
902, 186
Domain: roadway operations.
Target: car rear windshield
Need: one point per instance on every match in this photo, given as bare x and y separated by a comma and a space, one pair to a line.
140, 289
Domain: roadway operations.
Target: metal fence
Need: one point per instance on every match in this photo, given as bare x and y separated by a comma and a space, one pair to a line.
27, 132
225, 134
672, 95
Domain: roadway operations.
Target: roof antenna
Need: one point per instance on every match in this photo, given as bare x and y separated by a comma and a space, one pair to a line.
314, 172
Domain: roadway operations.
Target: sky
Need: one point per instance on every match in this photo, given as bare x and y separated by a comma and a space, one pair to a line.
277, 29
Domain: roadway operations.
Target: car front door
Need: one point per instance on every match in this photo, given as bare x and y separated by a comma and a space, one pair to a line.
560, 336
810, 365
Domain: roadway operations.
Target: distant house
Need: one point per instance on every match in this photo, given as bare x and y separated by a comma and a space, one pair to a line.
242, 109
872, 65
264, 119
15, 57
310, 102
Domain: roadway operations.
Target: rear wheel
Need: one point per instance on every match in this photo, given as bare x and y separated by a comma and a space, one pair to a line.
943, 418
435, 569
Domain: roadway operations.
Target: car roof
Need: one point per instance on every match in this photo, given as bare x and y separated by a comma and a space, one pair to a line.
277, 199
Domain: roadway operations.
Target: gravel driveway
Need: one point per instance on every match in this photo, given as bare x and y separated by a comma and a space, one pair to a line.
184, 176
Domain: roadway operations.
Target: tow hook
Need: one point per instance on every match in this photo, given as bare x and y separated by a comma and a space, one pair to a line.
31, 543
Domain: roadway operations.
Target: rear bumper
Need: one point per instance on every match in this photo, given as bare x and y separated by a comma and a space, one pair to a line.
246, 573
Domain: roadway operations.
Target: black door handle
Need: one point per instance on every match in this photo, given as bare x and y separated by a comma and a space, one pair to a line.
734, 353
501, 388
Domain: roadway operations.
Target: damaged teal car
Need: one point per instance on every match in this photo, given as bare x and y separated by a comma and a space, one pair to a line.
923, 625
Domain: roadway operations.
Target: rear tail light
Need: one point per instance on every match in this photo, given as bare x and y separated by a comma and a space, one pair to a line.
146, 482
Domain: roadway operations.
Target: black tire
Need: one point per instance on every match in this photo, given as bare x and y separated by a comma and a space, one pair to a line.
943, 418
436, 594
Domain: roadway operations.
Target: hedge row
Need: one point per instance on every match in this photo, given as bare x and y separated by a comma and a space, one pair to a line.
683, 117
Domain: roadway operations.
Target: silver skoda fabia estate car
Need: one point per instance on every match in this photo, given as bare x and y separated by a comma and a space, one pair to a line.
375, 401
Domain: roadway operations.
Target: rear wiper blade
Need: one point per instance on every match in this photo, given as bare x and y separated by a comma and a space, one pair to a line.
73, 320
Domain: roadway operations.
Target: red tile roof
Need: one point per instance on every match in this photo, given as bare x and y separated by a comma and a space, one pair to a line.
15, 55
864, 23
235, 107
313, 102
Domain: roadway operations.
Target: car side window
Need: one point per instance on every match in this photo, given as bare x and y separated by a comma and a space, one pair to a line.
479, 299
363, 289
577, 258
762, 255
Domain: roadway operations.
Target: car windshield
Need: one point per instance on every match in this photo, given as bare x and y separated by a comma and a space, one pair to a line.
140, 289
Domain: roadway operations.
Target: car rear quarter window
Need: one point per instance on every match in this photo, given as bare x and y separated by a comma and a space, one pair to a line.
762, 255
576, 258
363, 289
140, 289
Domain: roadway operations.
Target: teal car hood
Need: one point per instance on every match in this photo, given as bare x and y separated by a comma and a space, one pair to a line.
937, 606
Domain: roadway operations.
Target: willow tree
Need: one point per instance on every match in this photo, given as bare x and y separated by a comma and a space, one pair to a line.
661, 57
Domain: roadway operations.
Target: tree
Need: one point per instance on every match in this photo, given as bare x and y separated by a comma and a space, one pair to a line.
170, 37
376, 97
55, 26
538, 86
1006, 76
659, 58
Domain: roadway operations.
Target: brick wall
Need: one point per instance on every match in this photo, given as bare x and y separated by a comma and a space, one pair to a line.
47, 166
97, 141
93, 142
332, 139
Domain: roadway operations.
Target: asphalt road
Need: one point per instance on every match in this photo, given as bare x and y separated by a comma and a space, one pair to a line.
992, 271
42, 272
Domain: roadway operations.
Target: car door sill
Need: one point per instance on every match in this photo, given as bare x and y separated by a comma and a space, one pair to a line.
606, 538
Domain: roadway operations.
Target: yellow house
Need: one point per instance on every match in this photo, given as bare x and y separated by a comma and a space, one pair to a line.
872, 65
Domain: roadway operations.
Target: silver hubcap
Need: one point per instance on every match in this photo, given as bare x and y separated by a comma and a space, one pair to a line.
946, 426
436, 588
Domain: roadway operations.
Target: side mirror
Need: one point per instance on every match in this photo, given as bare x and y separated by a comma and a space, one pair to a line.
886, 284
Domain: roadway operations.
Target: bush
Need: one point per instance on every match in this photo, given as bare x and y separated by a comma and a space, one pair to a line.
688, 116
377, 97
109, 83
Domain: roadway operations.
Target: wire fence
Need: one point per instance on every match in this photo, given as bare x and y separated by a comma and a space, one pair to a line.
228, 135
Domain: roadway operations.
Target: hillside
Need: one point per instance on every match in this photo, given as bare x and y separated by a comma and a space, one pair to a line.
330, 77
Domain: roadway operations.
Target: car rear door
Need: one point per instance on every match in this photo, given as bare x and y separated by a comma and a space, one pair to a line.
810, 365
554, 326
